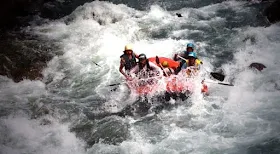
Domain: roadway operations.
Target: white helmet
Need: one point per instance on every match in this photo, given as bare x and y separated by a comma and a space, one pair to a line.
128, 47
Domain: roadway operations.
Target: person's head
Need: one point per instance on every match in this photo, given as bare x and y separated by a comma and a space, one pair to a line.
142, 59
128, 49
190, 47
192, 58
165, 64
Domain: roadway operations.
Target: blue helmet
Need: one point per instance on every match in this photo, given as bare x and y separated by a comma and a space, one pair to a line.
192, 54
190, 45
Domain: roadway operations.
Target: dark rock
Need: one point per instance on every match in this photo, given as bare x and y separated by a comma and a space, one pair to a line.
179, 15
17, 13
56, 9
11, 11
23, 56
257, 66
272, 12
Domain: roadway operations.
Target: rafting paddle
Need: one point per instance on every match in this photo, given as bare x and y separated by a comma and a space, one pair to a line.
217, 82
115, 84
221, 77
157, 61
215, 75
96, 64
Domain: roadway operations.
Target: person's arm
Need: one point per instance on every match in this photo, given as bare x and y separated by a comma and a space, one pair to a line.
134, 70
182, 65
136, 55
121, 68
176, 56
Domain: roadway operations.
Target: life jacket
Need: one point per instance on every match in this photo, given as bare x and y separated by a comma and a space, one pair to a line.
129, 63
194, 69
197, 63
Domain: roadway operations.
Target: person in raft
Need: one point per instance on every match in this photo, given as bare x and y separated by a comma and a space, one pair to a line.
145, 69
192, 65
185, 55
166, 69
128, 61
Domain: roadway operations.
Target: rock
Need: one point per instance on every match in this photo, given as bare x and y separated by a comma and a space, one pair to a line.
23, 56
11, 11
258, 66
179, 15
17, 13
272, 12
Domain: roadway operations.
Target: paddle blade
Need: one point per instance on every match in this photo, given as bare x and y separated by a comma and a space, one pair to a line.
114, 84
216, 82
226, 84
257, 66
217, 76
157, 60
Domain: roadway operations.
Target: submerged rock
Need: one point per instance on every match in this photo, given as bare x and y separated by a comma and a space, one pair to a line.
109, 130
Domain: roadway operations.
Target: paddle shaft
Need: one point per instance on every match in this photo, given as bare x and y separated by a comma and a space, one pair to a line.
221, 83
163, 69
96, 64
157, 61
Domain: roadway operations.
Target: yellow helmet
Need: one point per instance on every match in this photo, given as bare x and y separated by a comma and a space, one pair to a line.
165, 64
128, 47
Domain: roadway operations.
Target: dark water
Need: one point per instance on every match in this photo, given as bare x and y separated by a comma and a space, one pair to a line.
72, 110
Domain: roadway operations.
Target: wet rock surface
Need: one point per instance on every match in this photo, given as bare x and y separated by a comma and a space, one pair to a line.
23, 56
272, 12
17, 13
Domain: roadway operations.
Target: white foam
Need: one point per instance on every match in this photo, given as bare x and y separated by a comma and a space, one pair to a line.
239, 119
23, 135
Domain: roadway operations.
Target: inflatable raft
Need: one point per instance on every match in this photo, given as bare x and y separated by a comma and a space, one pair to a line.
170, 84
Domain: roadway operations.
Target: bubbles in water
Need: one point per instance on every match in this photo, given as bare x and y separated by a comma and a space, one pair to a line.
75, 88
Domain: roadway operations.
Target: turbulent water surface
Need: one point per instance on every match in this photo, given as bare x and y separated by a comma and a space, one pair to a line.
71, 109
